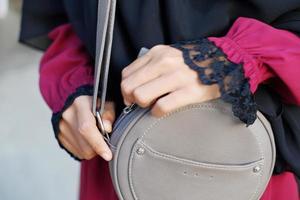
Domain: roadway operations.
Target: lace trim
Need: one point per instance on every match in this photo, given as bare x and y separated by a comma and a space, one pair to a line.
56, 117
213, 67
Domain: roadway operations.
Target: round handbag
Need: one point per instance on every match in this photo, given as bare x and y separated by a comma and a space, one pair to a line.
200, 151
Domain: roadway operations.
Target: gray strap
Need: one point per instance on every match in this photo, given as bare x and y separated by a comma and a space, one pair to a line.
105, 25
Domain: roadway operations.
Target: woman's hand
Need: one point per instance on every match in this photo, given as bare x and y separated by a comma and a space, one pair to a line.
161, 77
79, 133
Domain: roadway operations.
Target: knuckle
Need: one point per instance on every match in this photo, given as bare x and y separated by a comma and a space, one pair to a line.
140, 98
161, 106
78, 101
81, 102
125, 88
157, 48
124, 72
85, 127
66, 115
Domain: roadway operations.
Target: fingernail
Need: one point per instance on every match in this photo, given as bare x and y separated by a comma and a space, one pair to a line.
107, 156
107, 125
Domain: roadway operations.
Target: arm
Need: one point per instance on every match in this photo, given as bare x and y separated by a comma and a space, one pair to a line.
250, 54
66, 78
265, 53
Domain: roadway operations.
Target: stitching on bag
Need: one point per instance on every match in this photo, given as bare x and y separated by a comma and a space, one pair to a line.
198, 164
260, 150
263, 166
211, 108
131, 178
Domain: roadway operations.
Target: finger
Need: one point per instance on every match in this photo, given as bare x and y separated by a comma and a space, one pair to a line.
107, 125
149, 92
69, 146
69, 127
139, 77
109, 112
96, 141
179, 98
66, 132
76, 139
108, 116
139, 62
89, 131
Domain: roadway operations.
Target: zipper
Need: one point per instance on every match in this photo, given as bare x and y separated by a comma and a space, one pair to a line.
126, 111
129, 108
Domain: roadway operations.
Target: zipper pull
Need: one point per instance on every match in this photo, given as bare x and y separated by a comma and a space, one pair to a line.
129, 108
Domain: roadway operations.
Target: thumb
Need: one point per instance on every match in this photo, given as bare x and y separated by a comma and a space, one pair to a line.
109, 116
107, 125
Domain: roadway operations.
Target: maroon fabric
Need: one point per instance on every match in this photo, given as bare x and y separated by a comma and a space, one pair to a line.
265, 52
66, 66
282, 187
95, 181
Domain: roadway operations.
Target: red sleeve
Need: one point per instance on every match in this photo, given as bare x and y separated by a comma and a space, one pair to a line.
265, 53
64, 68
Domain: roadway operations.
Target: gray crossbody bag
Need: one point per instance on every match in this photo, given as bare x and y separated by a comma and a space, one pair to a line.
200, 151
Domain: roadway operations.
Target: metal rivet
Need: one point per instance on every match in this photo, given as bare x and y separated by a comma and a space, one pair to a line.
140, 151
256, 169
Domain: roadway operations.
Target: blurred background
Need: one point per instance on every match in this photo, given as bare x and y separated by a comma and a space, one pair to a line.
32, 166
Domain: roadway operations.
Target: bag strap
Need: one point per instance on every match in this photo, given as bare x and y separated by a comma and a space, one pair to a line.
105, 25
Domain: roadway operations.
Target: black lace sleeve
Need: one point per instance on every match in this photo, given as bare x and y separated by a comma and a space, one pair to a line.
213, 67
